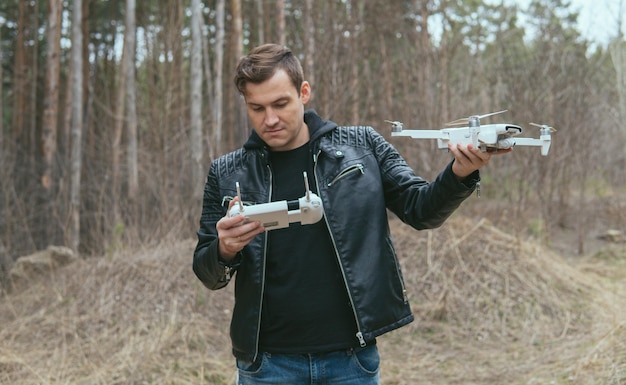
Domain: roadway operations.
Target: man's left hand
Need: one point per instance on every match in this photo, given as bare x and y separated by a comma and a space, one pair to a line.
468, 159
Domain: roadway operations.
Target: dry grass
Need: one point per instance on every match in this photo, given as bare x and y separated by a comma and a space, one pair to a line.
490, 309
493, 309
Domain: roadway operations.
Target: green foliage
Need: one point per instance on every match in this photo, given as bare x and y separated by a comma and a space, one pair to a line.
117, 241
614, 254
536, 227
599, 186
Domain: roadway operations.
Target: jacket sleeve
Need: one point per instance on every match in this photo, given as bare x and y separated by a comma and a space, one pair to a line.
212, 272
416, 201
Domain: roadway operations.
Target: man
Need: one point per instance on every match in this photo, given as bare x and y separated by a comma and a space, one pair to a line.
310, 300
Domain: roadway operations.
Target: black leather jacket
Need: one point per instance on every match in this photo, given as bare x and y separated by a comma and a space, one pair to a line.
358, 176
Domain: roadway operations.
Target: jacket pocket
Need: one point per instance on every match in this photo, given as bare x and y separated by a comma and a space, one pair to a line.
398, 271
355, 168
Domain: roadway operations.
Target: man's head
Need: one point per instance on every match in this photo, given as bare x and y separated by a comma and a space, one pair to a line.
263, 62
271, 82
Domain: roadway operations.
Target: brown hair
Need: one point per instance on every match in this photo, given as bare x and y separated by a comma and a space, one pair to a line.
263, 62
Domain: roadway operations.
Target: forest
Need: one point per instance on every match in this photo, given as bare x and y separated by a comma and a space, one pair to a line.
111, 111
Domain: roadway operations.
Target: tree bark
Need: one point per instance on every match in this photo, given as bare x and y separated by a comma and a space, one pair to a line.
195, 88
77, 124
34, 84
19, 79
219, 73
208, 137
118, 128
1, 103
280, 22
131, 107
51, 97
618, 56
51, 110
309, 47
261, 21
237, 50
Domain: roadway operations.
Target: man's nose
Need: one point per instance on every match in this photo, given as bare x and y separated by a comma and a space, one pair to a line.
271, 118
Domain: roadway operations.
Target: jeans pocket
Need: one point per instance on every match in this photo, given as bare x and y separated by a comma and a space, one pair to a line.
250, 367
367, 359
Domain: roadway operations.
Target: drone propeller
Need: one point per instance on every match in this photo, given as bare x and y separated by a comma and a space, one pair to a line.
473, 117
544, 127
395, 125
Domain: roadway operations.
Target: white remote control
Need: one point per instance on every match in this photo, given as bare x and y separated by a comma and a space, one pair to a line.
277, 215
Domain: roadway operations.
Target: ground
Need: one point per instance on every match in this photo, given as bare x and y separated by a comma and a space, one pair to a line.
492, 306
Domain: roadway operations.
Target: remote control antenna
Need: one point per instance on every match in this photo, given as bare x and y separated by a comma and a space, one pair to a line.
239, 196
306, 187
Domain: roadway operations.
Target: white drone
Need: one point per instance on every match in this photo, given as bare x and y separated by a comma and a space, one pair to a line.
490, 137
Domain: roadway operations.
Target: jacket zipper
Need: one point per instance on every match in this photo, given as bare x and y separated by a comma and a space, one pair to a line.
258, 328
359, 334
347, 171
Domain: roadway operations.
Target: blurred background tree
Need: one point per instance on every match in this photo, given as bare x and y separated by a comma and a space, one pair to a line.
157, 104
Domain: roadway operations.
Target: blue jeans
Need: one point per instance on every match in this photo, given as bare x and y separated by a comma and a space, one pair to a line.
343, 367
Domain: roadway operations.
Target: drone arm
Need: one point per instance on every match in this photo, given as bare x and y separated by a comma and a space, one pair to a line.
543, 142
422, 134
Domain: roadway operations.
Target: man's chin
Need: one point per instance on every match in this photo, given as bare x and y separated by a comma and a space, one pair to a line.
272, 137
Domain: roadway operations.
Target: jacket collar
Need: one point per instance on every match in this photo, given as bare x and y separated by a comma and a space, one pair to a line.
317, 128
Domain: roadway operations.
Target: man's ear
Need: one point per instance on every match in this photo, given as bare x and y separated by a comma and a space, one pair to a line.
305, 92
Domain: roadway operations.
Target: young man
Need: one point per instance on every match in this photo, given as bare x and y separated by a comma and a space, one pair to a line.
311, 299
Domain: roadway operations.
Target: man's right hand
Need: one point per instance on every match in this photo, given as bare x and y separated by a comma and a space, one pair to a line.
234, 233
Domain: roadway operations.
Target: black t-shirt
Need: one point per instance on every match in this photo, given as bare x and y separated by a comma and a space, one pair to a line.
306, 308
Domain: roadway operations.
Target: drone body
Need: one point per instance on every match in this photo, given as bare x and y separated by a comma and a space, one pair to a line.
489, 137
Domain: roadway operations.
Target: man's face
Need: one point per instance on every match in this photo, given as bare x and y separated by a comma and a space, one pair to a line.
277, 111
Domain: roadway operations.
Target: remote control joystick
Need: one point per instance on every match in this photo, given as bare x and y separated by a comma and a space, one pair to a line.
277, 215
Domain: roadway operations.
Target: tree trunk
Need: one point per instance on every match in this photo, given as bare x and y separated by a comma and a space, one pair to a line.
387, 101
51, 111
618, 55
51, 97
207, 137
218, 92
309, 47
34, 72
131, 107
4, 196
118, 128
351, 40
425, 51
19, 81
1, 103
280, 22
65, 143
195, 87
77, 124
237, 50
261, 20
